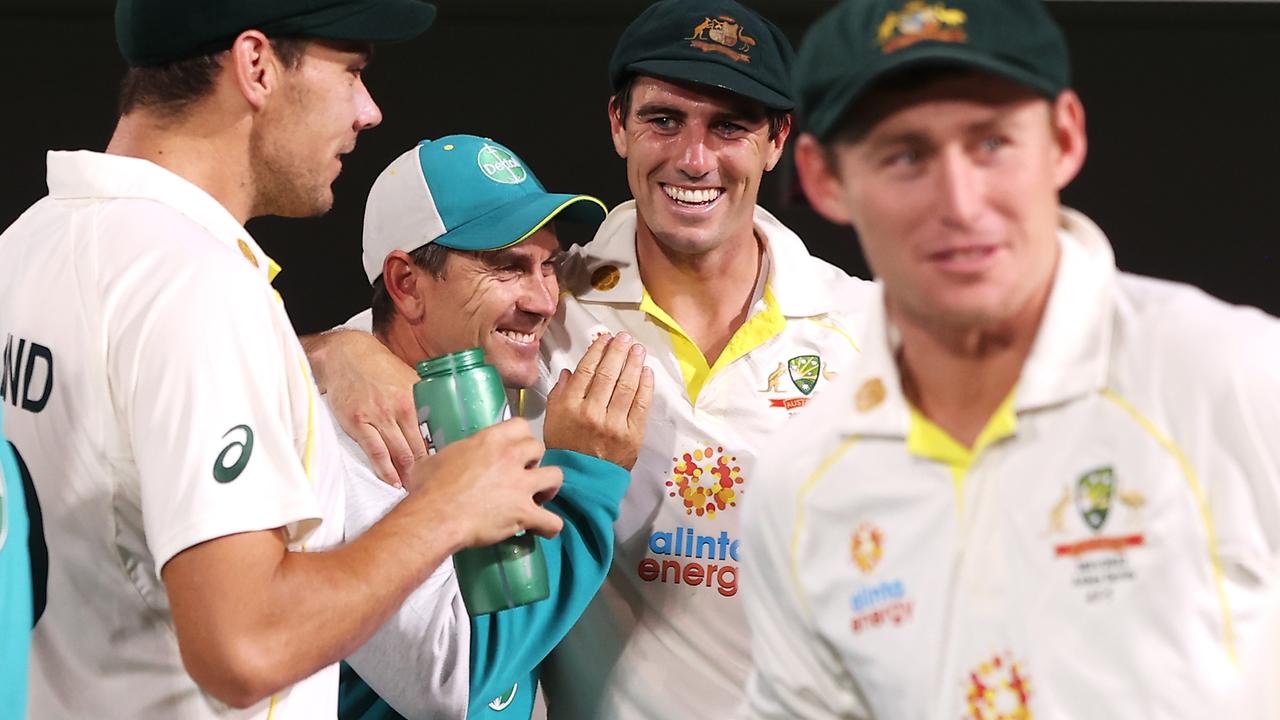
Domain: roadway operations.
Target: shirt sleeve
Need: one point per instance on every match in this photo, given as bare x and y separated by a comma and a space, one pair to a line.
417, 661
216, 398
795, 674
508, 645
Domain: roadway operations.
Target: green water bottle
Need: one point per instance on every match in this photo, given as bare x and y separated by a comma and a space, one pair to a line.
457, 395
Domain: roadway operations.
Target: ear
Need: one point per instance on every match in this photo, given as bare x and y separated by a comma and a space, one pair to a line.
405, 283
1069, 137
778, 143
821, 183
617, 129
254, 68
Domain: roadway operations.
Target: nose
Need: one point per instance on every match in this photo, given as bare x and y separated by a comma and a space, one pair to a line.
368, 114
541, 295
960, 187
695, 159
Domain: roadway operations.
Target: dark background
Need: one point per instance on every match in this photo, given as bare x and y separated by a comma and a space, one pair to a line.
1182, 101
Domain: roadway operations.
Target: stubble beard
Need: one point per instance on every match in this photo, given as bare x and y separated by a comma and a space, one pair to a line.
283, 184
284, 188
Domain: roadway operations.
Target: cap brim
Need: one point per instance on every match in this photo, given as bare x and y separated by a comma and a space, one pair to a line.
715, 75
920, 56
514, 222
373, 21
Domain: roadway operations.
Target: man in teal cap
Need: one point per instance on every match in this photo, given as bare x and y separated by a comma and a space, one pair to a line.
1045, 488
460, 245
190, 481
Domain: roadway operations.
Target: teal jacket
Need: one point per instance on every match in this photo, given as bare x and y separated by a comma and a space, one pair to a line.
508, 646
15, 589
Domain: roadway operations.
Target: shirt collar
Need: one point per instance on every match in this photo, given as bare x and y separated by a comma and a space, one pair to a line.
87, 174
1068, 358
613, 275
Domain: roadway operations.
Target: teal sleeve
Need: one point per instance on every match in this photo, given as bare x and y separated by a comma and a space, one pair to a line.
507, 646
15, 589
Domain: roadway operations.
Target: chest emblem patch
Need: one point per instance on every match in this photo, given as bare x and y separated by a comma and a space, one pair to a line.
707, 480
1093, 496
804, 372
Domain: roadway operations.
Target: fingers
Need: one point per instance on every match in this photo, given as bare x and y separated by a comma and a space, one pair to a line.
545, 483
371, 441
638, 413
396, 438
586, 370
606, 375
559, 388
512, 440
544, 523
624, 392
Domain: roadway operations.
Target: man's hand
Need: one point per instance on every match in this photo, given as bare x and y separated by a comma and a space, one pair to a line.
371, 393
490, 484
601, 408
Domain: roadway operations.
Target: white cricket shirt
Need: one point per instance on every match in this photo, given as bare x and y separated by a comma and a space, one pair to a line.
160, 398
667, 637
1103, 551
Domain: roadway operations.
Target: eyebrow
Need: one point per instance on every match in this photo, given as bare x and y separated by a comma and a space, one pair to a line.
658, 109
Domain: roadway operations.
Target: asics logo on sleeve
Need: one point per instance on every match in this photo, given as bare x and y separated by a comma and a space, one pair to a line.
235, 456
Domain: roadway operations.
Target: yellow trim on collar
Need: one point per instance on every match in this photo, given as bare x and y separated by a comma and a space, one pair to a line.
273, 269
756, 331
927, 440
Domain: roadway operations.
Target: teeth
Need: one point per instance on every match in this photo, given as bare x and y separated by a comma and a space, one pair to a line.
691, 196
519, 337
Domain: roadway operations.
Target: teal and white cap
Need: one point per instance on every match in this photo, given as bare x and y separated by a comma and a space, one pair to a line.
464, 192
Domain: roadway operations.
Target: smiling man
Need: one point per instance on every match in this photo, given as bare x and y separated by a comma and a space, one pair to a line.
460, 247
1046, 488
743, 327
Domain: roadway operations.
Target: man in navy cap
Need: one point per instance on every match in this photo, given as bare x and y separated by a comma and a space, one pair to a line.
163, 405
1045, 488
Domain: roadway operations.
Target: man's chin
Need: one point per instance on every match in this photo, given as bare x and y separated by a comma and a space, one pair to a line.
515, 375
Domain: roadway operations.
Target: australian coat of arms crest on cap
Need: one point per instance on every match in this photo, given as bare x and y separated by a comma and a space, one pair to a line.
917, 21
723, 35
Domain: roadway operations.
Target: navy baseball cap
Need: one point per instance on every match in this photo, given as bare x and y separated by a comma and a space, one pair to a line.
710, 42
860, 43
157, 32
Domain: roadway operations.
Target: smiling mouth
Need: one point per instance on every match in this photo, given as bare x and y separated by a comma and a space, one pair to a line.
519, 337
693, 197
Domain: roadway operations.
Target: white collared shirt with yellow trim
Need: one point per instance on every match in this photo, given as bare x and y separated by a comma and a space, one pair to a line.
159, 398
666, 637
1103, 551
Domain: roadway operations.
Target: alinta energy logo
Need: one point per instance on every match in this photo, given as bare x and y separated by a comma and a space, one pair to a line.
706, 480
879, 603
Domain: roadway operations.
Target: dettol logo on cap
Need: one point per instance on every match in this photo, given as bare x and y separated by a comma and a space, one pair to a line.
501, 166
